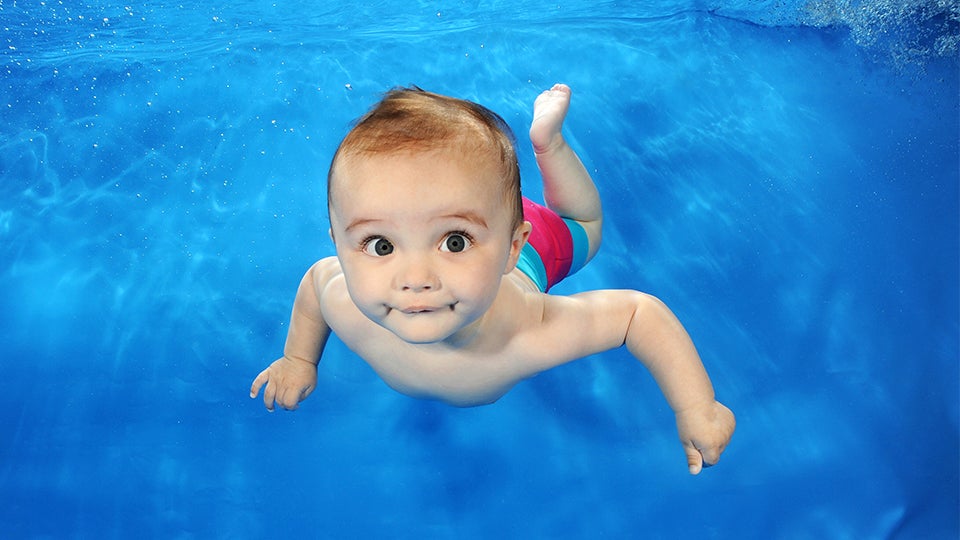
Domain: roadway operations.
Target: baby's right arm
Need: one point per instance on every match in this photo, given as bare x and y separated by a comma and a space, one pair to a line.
291, 378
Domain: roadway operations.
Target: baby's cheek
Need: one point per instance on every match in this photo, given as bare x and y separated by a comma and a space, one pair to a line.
359, 288
484, 291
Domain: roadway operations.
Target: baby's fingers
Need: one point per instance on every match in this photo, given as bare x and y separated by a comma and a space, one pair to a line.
711, 455
262, 378
694, 458
269, 391
288, 399
700, 457
269, 396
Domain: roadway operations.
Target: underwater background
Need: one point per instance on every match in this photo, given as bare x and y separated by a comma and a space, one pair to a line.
783, 174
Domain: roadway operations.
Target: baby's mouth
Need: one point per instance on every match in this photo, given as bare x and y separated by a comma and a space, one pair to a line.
418, 310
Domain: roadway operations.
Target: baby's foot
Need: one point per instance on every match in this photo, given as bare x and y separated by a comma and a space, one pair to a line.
549, 110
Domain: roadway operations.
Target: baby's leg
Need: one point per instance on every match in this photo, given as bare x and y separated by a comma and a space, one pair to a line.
567, 187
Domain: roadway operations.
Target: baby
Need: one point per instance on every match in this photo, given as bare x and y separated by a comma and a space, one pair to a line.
442, 269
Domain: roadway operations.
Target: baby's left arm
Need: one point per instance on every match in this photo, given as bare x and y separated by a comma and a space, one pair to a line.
660, 342
603, 320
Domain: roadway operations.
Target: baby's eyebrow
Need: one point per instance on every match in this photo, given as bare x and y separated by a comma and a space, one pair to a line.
468, 216
360, 223
472, 217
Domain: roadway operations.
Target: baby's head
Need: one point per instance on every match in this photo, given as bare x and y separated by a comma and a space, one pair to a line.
426, 214
411, 121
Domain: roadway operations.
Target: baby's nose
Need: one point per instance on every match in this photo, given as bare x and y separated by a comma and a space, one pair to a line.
417, 276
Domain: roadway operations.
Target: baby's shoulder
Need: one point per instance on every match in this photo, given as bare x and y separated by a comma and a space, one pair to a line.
564, 328
325, 270
331, 288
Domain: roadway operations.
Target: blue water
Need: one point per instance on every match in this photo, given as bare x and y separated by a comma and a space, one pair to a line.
784, 174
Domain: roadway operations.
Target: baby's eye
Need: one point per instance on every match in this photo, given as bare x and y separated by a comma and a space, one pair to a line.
377, 246
455, 243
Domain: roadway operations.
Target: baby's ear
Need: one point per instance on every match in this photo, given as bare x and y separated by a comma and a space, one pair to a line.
330, 232
520, 237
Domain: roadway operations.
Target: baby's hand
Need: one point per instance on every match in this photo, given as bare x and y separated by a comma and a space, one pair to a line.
289, 381
705, 432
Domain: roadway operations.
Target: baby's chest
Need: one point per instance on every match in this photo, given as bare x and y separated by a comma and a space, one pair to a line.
455, 377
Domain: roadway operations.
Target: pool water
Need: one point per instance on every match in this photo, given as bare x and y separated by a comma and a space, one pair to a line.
783, 174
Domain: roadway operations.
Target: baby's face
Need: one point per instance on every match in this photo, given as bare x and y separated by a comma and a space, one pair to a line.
423, 240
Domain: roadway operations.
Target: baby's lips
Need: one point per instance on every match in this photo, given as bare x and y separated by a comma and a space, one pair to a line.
418, 309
